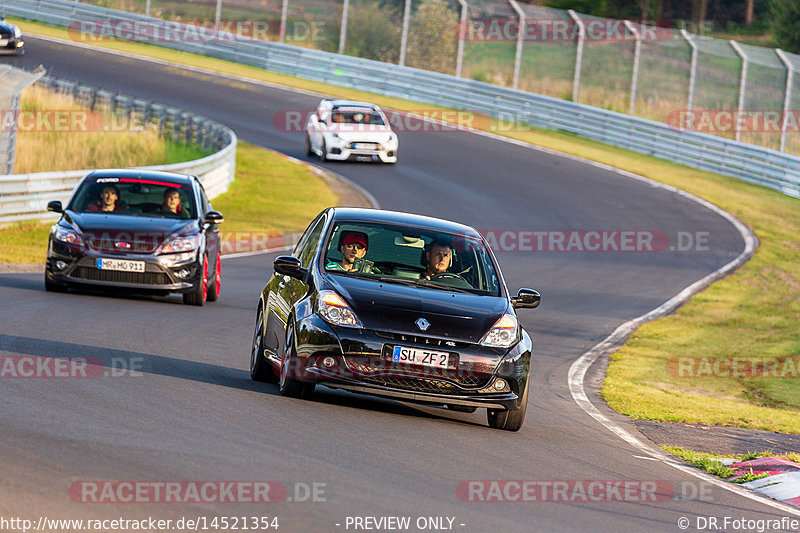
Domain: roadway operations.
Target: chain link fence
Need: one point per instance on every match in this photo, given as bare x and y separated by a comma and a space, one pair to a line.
688, 81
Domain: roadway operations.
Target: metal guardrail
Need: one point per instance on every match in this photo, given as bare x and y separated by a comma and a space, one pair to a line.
747, 162
25, 196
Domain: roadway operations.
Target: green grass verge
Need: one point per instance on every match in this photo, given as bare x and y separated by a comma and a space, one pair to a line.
753, 312
710, 463
271, 195
705, 461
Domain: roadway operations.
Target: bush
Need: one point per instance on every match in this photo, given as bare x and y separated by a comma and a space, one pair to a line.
785, 26
373, 32
433, 37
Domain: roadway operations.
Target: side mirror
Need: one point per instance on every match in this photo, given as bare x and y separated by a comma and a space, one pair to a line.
55, 206
215, 217
526, 299
288, 265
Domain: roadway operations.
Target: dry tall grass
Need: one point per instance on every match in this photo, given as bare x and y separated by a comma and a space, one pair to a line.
64, 148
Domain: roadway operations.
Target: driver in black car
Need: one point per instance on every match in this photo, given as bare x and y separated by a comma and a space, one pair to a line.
439, 258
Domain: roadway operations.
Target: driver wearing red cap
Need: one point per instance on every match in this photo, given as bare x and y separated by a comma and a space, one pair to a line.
353, 245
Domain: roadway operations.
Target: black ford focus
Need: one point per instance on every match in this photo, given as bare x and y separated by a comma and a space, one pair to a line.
145, 231
399, 306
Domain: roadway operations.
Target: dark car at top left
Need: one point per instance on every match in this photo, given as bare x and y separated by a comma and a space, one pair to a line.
145, 231
11, 38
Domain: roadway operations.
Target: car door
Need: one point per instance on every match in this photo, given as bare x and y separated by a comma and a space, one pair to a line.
283, 292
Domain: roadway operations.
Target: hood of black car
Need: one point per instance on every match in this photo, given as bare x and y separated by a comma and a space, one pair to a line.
386, 306
143, 234
6, 28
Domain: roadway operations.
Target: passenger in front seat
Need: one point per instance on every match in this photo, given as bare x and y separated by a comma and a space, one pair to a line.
353, 245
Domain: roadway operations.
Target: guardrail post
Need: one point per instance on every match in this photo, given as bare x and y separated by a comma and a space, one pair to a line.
147, 8
343, 29
462, 33
637, 52
692, 72
787, 95
520, 40
404, 34
284, 16
742, 85
218, 15
176, 126
576, 82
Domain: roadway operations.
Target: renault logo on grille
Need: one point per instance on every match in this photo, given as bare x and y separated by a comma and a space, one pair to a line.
422, 324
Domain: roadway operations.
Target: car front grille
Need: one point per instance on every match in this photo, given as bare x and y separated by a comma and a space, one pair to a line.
433, 380
112, 276
368, 146
137, 246
419, 339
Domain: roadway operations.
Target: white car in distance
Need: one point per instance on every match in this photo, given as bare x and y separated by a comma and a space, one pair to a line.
344, 130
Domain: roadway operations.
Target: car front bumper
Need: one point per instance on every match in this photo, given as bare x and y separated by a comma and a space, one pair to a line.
12, 45
163, 273
362, 151
359, 360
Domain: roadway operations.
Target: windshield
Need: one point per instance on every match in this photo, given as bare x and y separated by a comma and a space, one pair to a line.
134, 196
412, 256
356, 116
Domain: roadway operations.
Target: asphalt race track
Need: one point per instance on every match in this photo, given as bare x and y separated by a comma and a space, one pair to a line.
189, 412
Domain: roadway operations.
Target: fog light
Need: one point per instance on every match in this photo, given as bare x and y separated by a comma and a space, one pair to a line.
182, 273
61, 265
500, 384
329, 362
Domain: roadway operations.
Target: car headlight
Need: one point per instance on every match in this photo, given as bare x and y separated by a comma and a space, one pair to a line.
335, 310
503, 334
187, 243
69, 236
17, 32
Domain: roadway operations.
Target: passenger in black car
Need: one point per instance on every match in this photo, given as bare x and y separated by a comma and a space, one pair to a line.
353, 245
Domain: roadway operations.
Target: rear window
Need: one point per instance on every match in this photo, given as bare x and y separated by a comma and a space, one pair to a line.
134, 196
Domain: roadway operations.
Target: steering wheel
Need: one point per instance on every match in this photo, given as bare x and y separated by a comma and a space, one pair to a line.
446, 275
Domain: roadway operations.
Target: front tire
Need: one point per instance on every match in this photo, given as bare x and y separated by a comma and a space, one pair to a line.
215, 283
199, 293
309, 152
52, 286
289, 386
260, 369
509, 420
323, 153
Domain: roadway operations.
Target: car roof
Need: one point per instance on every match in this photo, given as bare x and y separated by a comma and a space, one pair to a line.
358, 214
141, 174
351, 103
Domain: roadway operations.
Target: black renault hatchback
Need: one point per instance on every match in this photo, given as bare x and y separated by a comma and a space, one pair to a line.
145, 231
399, 306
